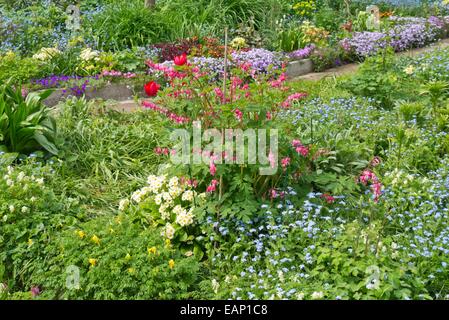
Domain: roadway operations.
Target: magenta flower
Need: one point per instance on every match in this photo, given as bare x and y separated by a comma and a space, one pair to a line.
328, 198
35, 291
238, 114
292, 98
212, 167
212, 187
303, 150
285, 162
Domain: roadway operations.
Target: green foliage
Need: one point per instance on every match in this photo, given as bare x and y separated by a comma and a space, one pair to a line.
376, 80
30, 213
16, 68
116, 259
25, 123
105, 152
127, 23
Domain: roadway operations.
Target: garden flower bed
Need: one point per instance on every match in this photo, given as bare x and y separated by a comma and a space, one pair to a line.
229, 182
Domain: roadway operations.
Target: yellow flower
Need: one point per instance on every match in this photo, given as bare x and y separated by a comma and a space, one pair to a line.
152, 250
128, 257
95, 239
131, 270
93, 262
81, 234
30, 242
171, 263
167, 242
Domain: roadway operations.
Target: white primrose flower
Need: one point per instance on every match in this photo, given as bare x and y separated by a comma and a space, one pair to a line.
167, 197
173, 182
187, 196
215, 285
175, 192
137, 196
89, 54
317, 295
178, 209
158, 199
20, 176
25, 209
168, 231
123, 204
184, 218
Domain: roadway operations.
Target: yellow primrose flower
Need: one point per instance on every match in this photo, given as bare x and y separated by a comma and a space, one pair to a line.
81, 234
30, 242
152, 250
131, 270
167, 242
93, 262
171, 263
95, 239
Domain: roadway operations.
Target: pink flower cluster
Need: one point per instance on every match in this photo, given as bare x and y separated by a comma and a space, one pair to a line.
285, 162
168, 71
279, 81
170, 115
185, 92
212, 167
300, 148
161, 151
276, 194
189, 182
212, 187
292, 98
113, 73
328, 198
238, 114
368, 176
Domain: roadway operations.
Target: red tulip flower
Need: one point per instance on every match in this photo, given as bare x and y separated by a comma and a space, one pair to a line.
181, 60
151, 88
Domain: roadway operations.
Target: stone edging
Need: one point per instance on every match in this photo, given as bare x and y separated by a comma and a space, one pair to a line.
296, 70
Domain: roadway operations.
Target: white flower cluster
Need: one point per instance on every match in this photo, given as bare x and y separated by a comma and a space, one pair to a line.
46, 54
12, 179
88, 54
168, 231
399, 177
23, 184
174, 201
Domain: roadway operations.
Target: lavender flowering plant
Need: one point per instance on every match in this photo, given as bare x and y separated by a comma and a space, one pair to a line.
407, 33
302, 53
